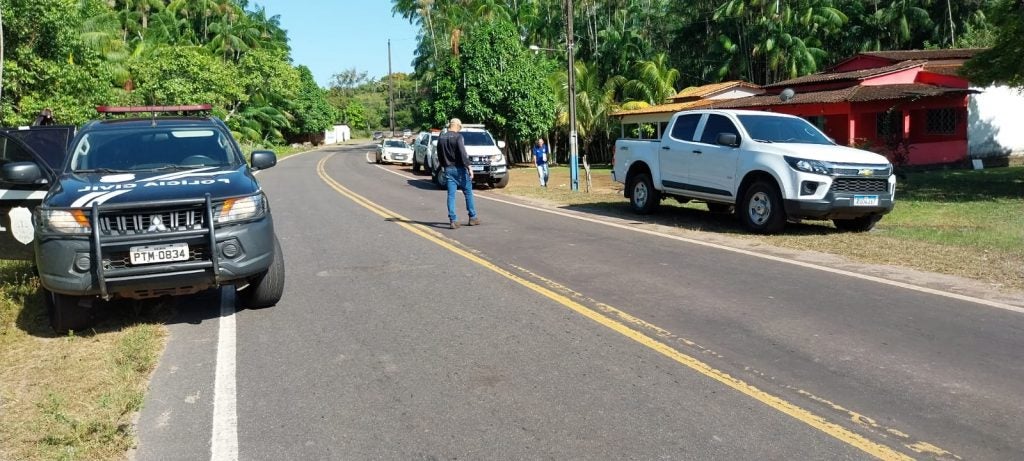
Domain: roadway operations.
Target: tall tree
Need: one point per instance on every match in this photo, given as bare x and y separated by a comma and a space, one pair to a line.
1002, 63
502, 84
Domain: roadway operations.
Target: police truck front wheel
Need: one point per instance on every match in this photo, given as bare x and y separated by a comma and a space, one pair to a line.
65, 312
266, 289
440, 180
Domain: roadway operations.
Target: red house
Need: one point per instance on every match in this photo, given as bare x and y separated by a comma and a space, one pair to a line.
910, 105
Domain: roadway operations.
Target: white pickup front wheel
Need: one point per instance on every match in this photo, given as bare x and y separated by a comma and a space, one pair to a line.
762, 210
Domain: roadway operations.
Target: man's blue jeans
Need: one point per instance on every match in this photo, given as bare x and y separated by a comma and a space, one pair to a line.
542, 173
458, 177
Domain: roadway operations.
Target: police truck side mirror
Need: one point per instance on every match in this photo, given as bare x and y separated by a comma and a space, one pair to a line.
21, 173
262, 159
501, 144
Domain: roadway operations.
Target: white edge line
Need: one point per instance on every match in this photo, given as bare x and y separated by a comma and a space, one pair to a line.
871, 278
224, 437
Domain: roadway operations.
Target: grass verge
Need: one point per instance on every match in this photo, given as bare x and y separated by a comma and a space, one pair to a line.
957, 222
68, 397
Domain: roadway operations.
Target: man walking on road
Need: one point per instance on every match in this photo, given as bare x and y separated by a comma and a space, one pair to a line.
451, 154
540, 155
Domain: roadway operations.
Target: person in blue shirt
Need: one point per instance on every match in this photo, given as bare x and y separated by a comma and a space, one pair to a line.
540, 155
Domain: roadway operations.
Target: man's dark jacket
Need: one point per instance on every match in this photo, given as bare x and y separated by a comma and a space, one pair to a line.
451, 149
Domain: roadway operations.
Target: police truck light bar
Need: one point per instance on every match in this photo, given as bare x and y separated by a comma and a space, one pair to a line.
153, 109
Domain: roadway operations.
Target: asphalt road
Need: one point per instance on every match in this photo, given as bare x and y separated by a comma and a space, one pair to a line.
541, 335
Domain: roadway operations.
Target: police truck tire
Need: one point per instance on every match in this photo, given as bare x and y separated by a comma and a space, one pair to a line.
415, 164
65, 313
439, 179
501, 183
266, 289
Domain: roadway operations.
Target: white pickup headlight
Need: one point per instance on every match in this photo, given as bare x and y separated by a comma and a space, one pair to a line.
496, 158
64, 221
240, 209
810, 166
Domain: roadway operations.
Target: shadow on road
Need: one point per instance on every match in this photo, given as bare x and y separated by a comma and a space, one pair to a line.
435, 225
115, 315
423, 184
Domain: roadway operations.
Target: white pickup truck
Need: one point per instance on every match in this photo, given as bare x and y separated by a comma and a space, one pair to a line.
771, 167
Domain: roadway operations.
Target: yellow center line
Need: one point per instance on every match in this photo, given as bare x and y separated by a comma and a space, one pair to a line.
839, 432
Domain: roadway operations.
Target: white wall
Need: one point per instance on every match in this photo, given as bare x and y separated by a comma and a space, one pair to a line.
337, 134
995, 122
342, 132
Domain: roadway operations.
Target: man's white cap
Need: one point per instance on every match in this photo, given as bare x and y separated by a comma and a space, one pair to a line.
455, 122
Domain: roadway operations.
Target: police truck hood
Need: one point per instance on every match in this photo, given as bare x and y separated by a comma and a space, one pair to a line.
81, 190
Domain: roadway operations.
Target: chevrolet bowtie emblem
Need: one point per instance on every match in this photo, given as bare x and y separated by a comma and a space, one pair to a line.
866, 172
156, 224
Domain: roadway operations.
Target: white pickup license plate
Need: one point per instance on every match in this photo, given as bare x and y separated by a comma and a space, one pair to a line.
865, 200
153, 254
477, 167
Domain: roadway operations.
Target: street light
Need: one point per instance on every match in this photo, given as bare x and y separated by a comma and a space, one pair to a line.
574, 163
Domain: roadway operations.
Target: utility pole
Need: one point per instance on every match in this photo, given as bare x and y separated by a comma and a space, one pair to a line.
574, 174
391, 93
1, 57
952, 28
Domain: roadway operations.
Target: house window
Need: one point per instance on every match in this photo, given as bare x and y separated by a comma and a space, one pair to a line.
817, 120
889, 125
941, 121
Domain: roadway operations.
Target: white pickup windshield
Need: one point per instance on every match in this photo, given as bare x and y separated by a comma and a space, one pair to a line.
770, 128
152, 148
477, 138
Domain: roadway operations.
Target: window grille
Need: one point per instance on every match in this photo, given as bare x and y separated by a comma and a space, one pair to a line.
941, 121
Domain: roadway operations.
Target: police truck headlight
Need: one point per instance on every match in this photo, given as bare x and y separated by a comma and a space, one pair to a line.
240, 209
496, 158
809, 166
64, 221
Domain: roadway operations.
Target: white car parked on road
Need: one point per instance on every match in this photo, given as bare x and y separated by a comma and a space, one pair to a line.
394, 151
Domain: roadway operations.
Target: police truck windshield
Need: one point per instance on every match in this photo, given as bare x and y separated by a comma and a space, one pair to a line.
147, 149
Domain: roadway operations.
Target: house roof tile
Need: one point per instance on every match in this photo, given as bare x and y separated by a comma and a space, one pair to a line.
669, 108
707, 90
852, 75
858, 93
904, 55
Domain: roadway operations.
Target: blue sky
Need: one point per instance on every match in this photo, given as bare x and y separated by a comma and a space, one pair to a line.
330, 36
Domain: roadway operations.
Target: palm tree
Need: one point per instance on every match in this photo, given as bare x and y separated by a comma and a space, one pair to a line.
764, 40
595, 100
654, 82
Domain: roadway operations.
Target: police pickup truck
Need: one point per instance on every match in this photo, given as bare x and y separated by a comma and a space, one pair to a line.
772, 168
137, 207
